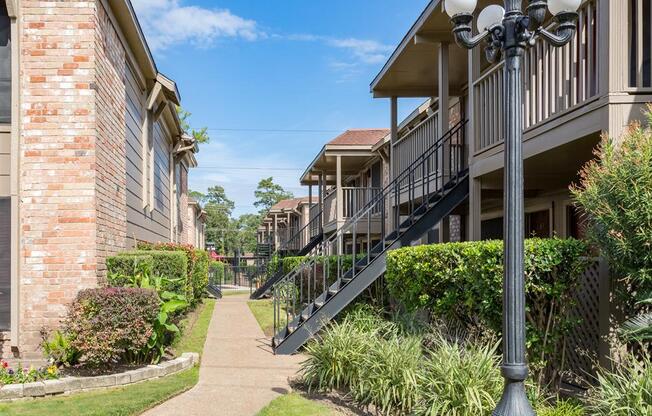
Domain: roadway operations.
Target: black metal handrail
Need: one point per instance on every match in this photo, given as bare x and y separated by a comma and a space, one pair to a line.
328, 262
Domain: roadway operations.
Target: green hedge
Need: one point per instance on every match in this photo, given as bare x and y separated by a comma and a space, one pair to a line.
170, 264
200, 274
216, 269
463, 282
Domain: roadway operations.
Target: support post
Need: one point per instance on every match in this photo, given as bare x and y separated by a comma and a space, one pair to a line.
442, 128
393, 169
339, 200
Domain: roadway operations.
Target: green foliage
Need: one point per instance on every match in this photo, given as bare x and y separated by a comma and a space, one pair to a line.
462, 282
170, 265
57, 348
562, 408
124, 266
627, 391
22, 374
216, 270
200, 274
615, 191
200, 135
109, 325
639, 327
460, 381
269, 194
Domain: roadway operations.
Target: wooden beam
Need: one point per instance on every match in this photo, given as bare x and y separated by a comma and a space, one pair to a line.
153, 96
159, 110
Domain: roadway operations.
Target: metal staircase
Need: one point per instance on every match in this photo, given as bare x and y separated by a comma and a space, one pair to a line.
333, 274
301, 244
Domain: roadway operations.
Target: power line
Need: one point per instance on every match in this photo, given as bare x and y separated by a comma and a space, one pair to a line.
272, 130
249, 168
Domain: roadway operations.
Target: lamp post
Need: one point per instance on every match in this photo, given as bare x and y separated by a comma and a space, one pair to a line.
508, 31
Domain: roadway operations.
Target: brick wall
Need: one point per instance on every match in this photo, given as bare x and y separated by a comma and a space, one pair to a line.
110, 105
183, 235
190, 228
58, 216
72, 157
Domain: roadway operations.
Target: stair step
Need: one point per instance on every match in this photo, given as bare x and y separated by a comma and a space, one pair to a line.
318, 303
292, 328
333, 291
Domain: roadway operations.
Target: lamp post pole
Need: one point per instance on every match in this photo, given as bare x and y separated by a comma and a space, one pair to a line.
508, 32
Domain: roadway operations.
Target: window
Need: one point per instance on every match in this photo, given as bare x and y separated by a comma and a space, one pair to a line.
537, 224
5, 263
5, 64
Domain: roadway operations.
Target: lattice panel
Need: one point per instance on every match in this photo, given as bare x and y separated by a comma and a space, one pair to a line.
584, 341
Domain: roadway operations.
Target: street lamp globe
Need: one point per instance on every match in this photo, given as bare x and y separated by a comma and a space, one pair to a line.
563, 6
490, 16
455, 7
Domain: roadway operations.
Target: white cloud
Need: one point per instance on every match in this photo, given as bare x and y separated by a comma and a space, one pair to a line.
167, 23
366, 51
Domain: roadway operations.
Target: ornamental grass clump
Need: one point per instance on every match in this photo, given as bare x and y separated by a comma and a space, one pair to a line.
627, 391
460, 381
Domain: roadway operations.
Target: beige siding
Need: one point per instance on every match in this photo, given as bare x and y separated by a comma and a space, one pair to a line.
142, 223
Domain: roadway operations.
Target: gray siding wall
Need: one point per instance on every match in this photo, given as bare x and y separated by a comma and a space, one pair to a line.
143, 223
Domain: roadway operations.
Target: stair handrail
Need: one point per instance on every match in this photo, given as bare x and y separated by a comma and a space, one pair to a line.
312, 258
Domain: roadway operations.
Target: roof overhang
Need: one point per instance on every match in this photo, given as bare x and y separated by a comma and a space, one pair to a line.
412, 70
353, 159
126, 18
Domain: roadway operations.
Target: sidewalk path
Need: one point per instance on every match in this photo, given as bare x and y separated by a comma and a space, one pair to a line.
239, 374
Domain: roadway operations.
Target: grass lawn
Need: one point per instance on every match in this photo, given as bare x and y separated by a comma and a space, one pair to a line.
263, 310
128, 400
234, 292
295, 405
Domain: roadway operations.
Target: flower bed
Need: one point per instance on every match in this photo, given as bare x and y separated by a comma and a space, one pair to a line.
9, 375
40, 387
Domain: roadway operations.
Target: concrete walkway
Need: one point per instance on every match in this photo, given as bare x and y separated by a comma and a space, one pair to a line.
239, 375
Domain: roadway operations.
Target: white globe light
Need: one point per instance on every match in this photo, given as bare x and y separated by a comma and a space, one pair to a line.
454, 7
490, 16
561, 6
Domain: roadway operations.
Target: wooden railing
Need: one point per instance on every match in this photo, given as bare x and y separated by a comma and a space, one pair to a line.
315, 226
356, 198
556, 80
415, 142
353, 199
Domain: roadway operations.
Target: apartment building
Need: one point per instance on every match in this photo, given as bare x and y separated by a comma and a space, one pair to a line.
92, 156
287, 227
446, 157
598, 83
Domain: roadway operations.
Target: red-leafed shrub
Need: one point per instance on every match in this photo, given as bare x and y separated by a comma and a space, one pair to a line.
111, 325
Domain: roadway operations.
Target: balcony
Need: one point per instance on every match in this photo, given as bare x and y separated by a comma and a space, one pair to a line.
353, 200
557, 81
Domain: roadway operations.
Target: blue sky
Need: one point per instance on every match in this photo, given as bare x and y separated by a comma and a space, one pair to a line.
246, 68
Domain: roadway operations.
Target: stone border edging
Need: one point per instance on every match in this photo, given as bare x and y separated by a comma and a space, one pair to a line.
76, 384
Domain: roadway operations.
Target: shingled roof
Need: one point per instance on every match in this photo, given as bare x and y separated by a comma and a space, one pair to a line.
360, 137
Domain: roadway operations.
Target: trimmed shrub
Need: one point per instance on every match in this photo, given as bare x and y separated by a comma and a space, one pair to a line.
216, 272
109, 325
462, 282
200, 275
122, 267
169, 264
190, 255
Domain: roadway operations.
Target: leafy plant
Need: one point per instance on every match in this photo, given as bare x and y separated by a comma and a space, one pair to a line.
615, 191
639, 327
627, 391
462, 282
58, 348
562, 408
108, 325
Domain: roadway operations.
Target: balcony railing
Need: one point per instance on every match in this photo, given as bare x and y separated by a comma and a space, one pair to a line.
640, 44
556, 80
353, 199
414, 143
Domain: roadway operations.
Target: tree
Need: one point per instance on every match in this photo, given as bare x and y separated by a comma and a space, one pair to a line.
615, 191
201, 135
198, 196
269, 193
218, 209
248, 230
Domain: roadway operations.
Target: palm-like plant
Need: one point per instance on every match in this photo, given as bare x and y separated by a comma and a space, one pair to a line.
639, 328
